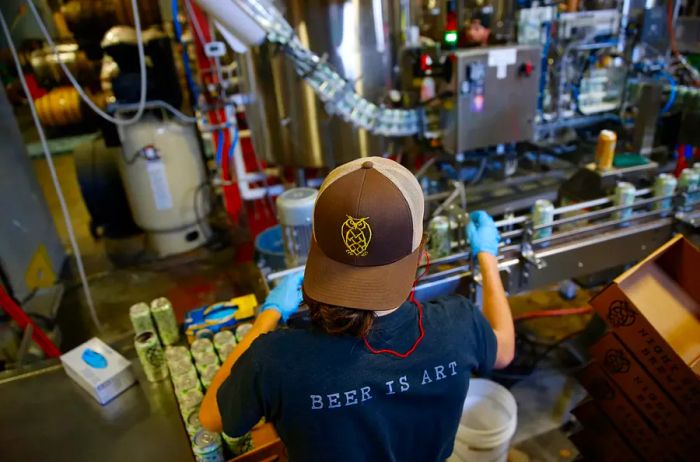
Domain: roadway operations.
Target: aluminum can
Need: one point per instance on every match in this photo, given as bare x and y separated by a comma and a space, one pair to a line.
624, 195
242, 330
605, 150
140, 316
225, 337
689, 183
151, 356
208, 359
664, 185
182, 368
238, 446
189, 401
174, 354
207, 375
192, 423
185, 383
542, 214
201, 345
225, 351
162, 312
440, 243
207, 447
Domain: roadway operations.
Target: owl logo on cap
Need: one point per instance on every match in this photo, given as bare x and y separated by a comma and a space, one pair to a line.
357, 234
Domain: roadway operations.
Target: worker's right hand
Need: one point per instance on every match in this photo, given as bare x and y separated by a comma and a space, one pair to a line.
286, 297
482, 233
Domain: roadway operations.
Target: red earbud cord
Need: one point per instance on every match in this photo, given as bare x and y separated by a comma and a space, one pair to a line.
411, 298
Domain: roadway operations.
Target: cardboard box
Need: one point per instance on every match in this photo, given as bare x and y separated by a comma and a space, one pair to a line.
645, 394
631, 425
99, 369
600, 440
654, 309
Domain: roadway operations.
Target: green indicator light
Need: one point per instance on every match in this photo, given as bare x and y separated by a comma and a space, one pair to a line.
451, 37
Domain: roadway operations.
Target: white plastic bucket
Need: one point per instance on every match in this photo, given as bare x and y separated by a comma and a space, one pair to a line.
489, 419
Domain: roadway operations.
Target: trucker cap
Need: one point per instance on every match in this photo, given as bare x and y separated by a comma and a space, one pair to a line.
367, 232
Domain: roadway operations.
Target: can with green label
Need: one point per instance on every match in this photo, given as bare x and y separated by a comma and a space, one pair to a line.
174, 354
162, 312
151, 356
542, 214
182, 367
225, 337
185, 383
242, 330
624, 195
141, 319
238, 446
200, 346
225, 351
664, 185
192, 423
440, 237
207, 375
206, 360
207, 447
189, 400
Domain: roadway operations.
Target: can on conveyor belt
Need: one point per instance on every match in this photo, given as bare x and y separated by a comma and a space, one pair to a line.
605, 150
192, 423
205, 360
185, 383
201, 345
624, 195
182, 367
225, 337
689, 183
140, 316
207, 375
242, 330
238, 446
439, 237
151, 356
542, 214
206, 447
664, 185
162, 312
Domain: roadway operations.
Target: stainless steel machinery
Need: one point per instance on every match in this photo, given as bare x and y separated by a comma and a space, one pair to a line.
495, 97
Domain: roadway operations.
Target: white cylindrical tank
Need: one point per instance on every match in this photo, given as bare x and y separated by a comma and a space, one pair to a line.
165, 182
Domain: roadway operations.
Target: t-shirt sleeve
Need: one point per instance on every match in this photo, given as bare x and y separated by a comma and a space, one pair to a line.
240, 397
486, 345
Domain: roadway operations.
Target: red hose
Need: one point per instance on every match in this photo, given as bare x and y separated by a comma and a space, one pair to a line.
554, 313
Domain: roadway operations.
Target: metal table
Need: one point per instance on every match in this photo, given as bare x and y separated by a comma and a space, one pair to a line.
44, 416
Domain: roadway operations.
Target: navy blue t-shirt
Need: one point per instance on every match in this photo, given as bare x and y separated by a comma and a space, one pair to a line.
331, 399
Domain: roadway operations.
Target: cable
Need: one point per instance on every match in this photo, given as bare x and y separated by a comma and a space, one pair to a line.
54, 178
672, 95
76, 85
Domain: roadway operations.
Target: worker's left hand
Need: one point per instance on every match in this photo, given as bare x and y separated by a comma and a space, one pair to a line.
286, 297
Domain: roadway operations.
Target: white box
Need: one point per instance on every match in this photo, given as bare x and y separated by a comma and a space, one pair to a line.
100, 370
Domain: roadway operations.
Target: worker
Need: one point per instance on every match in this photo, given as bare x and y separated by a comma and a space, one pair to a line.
378, 375
478, 32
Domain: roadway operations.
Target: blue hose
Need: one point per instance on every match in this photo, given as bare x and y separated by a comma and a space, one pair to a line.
232, 151
674, 90
219, 148
185, 55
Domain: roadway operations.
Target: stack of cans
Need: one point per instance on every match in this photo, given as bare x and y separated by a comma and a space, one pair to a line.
224, 342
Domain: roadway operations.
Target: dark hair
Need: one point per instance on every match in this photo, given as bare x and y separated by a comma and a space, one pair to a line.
339, 320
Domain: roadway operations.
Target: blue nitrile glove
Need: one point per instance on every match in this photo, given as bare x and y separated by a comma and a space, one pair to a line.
482, 233
286, 297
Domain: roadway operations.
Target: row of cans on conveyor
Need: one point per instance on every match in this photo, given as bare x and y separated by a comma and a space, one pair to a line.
447, 233
192, 371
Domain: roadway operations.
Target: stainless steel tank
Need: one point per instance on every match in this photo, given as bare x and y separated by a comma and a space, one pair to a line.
289, 124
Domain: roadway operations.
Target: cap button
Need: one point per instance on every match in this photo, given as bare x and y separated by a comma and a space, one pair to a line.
367, 164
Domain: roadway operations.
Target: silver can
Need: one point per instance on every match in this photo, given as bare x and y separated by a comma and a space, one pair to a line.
625, 194
200, 346
189, 401
224, 352
542, 214
183, 367
440, 240
185, 383
242, 330
206, 360
207, 375
192, 423
207, 447
162, 312
665, 185
141, 319
151, 356
689, 180
225, 337
176, 353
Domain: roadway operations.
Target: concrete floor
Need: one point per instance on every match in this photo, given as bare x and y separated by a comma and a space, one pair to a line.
206, 276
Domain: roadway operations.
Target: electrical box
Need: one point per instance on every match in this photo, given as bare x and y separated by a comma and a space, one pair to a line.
495, 93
